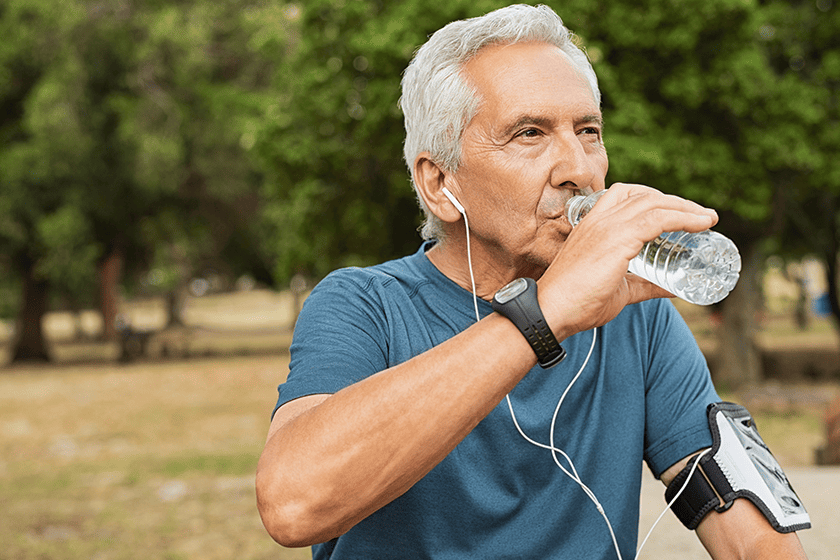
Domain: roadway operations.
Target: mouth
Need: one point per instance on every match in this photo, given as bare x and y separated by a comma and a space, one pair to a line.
556, 215
556, 209
559, 223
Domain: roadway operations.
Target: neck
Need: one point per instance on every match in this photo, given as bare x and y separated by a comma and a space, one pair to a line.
490, 271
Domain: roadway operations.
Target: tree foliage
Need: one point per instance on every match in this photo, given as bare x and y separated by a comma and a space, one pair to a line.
803, 46
694, 101
126, 128
689, 102
339, 189
266, 137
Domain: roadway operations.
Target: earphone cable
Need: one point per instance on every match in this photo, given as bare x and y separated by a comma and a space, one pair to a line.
551, 447
469, 263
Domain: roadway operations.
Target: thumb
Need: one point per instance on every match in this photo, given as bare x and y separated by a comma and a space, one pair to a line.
640, 289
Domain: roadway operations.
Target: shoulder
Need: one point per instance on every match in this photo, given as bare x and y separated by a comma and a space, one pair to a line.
404, 275
650, 327
652, 315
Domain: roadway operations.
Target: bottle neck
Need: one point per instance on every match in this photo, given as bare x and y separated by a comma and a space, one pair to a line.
579, 206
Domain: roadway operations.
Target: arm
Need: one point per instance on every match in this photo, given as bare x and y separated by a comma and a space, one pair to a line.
317, 478
330, 461
741, 532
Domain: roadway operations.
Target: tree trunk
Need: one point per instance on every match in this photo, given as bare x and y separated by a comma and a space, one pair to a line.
831, 279
175, 308
110, 274
738, 361
30, 344
831, 252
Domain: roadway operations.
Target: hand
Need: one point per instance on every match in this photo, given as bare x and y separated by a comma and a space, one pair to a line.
587, 285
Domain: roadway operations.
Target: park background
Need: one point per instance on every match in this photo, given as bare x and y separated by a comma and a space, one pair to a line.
175, 176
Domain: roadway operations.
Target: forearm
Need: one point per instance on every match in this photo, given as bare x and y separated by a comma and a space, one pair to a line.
338, 462
742, 532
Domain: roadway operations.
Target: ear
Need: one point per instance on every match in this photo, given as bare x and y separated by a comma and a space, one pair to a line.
431, 179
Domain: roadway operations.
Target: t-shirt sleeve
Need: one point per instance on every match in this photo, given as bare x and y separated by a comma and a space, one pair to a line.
678, 389
339, 337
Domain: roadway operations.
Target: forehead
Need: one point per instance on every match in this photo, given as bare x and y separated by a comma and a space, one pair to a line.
528, 77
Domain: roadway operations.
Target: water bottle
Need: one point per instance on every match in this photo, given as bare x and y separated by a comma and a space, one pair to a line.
700, 268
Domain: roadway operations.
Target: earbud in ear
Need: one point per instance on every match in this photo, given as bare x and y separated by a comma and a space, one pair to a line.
453, 200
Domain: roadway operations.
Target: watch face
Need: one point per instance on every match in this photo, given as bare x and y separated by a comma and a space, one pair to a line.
511, 290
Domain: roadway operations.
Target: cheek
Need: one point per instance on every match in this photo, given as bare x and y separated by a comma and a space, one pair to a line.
512, 205
502, 191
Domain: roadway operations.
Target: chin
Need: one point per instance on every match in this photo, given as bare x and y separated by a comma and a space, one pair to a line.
539, 261
537, 254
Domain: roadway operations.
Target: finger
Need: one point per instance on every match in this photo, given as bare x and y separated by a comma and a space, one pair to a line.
647, 212
642, 198
658, 220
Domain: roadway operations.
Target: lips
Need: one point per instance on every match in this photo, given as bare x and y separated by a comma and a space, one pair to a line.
561, 222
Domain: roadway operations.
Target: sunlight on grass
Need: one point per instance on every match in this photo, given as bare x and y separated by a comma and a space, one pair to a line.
149, 461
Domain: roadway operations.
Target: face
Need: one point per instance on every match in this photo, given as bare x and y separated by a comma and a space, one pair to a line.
535, 141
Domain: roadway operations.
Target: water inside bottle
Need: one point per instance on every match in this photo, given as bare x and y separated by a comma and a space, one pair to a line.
701, 268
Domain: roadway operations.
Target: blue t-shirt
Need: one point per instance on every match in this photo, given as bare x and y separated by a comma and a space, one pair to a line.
641, 397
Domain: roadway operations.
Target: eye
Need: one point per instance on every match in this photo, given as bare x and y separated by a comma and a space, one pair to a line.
594, 130
529, 133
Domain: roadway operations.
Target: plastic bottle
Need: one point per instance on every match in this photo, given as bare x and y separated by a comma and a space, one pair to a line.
700, 268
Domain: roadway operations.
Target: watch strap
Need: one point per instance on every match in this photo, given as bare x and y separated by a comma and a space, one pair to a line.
524, 312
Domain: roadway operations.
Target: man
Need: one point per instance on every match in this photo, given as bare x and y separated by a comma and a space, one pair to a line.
393, 436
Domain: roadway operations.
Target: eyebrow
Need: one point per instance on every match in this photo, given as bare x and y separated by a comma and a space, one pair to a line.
525, 120
590, 119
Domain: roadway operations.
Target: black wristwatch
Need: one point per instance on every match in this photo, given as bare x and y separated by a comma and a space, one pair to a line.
518, 302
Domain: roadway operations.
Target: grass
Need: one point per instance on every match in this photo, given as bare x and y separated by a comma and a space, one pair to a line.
157, 460
154, 461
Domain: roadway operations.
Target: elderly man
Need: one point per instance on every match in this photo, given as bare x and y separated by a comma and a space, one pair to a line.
416, 421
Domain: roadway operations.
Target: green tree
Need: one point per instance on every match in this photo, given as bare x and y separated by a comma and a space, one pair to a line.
694, 108
126, 127
339, 192
803, 46
693, 97
44, 147
197, 101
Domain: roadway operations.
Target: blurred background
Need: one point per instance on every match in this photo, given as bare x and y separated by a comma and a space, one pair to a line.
175, 176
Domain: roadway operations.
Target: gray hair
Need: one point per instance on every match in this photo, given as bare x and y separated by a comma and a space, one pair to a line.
438, 103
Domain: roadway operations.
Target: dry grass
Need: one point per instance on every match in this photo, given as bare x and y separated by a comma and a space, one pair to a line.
156, 459
151, 461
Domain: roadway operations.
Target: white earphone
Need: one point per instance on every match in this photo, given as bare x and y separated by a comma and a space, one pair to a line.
454, 201
463, 212
572, 473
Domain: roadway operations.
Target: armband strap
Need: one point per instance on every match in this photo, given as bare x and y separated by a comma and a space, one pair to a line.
739, 466
698, 498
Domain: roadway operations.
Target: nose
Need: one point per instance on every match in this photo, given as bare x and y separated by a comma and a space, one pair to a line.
572, 168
